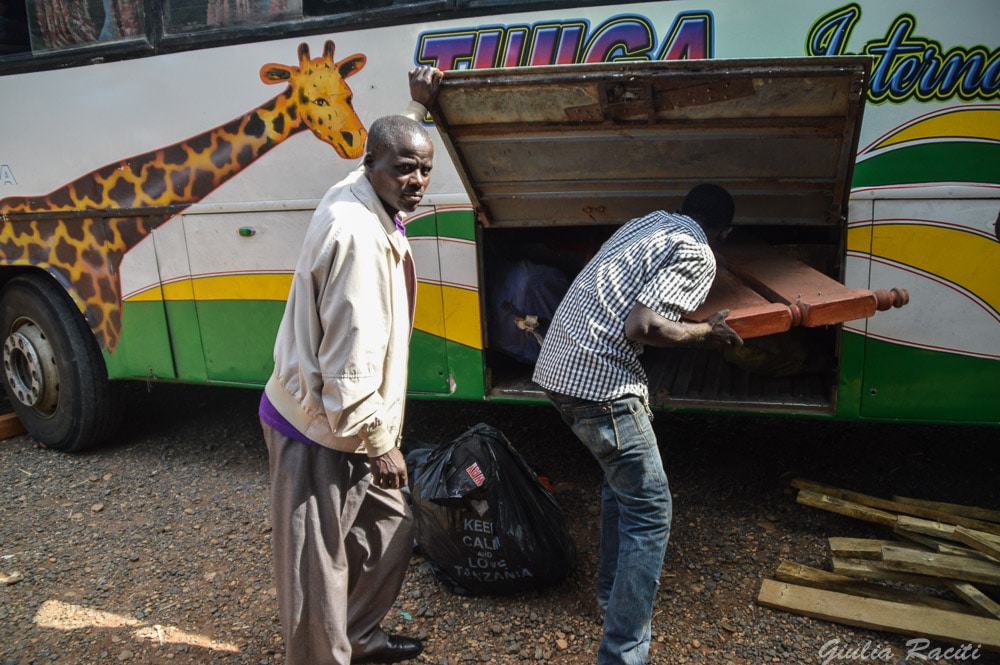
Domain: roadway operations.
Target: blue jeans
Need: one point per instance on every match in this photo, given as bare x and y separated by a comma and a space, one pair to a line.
635, 518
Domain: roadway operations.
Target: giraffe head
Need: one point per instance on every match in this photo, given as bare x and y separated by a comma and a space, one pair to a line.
320, 98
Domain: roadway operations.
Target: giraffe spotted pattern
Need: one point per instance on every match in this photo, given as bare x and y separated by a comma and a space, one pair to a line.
81, 231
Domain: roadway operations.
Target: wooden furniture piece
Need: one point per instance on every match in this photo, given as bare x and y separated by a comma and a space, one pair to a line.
767, 291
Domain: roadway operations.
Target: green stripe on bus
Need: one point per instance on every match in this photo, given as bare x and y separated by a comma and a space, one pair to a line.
238, 338
458, 223
902, 382
236, 341
442, 368
951, 162
143, 351
425, 226
466, 365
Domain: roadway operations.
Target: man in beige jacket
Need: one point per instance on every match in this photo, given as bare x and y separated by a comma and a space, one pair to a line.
332, 412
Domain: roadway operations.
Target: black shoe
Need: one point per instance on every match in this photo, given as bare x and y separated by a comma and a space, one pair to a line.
396, 649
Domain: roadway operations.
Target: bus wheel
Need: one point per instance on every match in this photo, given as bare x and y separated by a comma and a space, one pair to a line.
53, 371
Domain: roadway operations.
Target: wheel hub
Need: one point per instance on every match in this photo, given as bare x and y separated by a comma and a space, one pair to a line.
29, 364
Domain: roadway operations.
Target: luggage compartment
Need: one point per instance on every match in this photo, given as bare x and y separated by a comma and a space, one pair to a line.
794, 370
556, 158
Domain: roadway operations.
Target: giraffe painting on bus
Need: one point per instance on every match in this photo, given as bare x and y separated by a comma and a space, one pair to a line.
83, 229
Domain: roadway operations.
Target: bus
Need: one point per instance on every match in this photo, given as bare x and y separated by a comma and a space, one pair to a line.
160, 160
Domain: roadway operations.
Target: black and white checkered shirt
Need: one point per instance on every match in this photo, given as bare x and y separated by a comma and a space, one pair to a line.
661, 260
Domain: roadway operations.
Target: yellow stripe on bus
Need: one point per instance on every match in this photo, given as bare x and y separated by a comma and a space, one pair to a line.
220, 287
243, 287
449, 312
967, 124
443, 311
859, 239
966, 259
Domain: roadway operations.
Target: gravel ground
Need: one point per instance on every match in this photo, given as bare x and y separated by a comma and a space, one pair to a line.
156, 549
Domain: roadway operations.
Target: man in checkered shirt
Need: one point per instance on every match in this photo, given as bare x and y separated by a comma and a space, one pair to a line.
632, 293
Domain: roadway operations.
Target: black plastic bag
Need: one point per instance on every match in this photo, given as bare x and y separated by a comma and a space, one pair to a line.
484, 520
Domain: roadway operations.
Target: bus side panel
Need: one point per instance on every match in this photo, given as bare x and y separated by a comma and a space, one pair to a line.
857, 275
144, 350
240, 272
463, 314
938, 358
850, 375
466, 364
915, 384
428, 365
185, 335
239, 335
178, 298
446, 351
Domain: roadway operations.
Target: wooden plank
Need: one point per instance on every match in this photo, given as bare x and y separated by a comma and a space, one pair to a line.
750, 314
797, 573
10, 426
750, 322
925, 527
727, 292
781, 278
865, 548
941, 565
875, 570
976, 598
975, 512
978, 542
938, 545
842, 507
895, 507
877, 614
936, 529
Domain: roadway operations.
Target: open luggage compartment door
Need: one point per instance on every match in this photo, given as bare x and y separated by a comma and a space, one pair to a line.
602, 144
597, 145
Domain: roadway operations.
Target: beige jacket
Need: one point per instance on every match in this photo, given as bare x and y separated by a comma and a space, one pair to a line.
341, 352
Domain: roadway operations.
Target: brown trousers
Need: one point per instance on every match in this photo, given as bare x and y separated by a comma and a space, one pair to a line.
341, 550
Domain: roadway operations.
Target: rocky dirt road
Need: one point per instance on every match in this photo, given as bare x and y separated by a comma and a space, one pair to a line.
156, 549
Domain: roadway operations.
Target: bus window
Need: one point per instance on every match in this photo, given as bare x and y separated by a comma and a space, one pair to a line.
487, 3
13, 27
194, 15
333, 7
63, 24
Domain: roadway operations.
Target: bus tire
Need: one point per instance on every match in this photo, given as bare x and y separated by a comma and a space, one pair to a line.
53, 370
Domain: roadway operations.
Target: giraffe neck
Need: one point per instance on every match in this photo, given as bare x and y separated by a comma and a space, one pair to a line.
179, 174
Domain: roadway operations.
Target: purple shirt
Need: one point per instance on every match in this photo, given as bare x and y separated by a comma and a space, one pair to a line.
269, 415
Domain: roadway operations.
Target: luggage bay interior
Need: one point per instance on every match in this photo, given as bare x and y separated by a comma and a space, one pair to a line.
556, 158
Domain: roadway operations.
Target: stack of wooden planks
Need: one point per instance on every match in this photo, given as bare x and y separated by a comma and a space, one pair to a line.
936, 575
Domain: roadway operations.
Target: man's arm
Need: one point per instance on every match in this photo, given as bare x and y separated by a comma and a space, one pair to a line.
424, 85
645, 326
